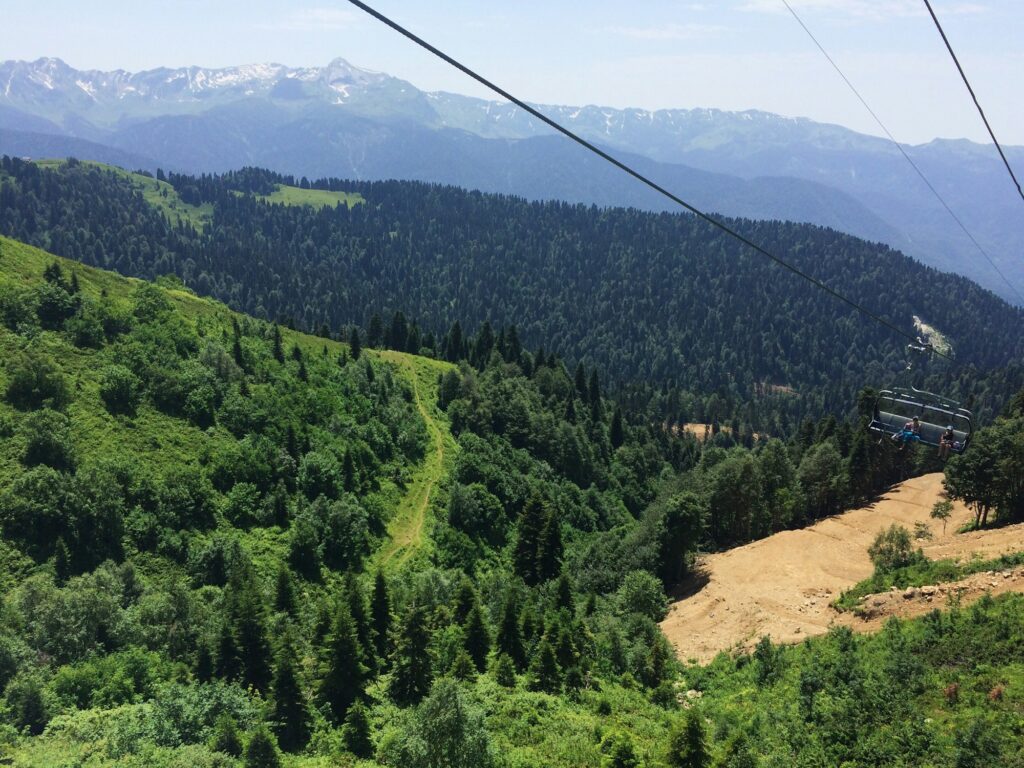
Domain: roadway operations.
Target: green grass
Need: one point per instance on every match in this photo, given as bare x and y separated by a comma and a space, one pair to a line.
315, 198
159, 194
920, 574
408, 529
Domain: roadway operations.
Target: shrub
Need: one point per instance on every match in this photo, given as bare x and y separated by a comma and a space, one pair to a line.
48, 440
119, 389
17, 307
36, 382
642, 593
892, 549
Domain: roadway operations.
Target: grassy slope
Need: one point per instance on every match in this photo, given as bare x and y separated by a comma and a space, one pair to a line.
159, 194
316, 198
407, 530
164, 439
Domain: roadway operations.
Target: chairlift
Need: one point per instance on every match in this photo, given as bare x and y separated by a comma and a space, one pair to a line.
895, 408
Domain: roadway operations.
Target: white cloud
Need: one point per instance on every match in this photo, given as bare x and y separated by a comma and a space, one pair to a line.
864, 10
314, 20
669, 31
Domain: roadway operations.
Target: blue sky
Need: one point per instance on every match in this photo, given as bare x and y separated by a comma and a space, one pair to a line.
730, 54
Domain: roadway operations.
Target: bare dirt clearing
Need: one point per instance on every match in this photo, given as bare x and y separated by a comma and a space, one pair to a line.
783, 586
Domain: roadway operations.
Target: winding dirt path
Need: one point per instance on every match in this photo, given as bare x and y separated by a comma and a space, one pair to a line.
783, 586
406, 529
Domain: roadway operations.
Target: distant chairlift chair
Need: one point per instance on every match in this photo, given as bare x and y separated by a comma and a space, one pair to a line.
894, 408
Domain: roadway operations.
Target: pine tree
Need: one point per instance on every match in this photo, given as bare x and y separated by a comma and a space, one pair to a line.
463, 667
61, 562
563, 594
348, 473
570, 410
355, 343
565, 648
357, 608
581, 381
204, 663
616, 433
375, 333
544, 672
477, 638
248, 627
343, 682
510, 638
688, 743
278, 346
261, 751
236, 344
594, 390
505, 671
549, 548
380, 615
290, 713
465, 600
412, 673
531, 523
229, 666
226, 738
356, 732
284, 591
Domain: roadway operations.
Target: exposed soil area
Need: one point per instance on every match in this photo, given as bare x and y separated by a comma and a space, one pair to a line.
783, 586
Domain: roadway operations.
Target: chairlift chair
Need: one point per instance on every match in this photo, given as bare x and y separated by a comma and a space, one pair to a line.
895, 407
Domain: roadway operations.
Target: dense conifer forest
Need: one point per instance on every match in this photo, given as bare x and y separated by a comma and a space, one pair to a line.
713, 333
199, 514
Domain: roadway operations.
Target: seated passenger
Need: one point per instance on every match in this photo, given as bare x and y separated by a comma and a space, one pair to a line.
947, 442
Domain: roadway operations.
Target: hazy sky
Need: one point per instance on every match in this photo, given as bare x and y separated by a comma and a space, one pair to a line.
730, 54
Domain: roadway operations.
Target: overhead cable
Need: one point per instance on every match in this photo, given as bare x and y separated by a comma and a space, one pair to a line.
632, 172
970, 90
903, 152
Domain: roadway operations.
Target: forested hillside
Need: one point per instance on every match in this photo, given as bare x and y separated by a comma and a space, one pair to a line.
715, 331
198, 514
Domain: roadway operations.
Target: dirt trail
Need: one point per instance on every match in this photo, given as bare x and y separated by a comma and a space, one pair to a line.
783, 586
406, 528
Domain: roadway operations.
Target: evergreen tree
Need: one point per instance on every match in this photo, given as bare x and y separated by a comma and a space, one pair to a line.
380, 615
580, 380
204, 663
355, 343
412, 674
544, 673
343, 682
505, 671
465, 600
594, 390
290, 713
477, 638
61, 562
348, 473
531, 524
549, 549
688, 743
510, 637
357, 608
229, 665
563, 594
249, 630
261, 751
284, 591
462, 667
375, 333
278, 345
616, 433
356, 732
226, 737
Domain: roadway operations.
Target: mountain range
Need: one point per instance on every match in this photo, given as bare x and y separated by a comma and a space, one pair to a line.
340, 120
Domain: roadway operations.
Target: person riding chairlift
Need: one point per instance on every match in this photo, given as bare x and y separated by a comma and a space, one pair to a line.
947, 442
911, 433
